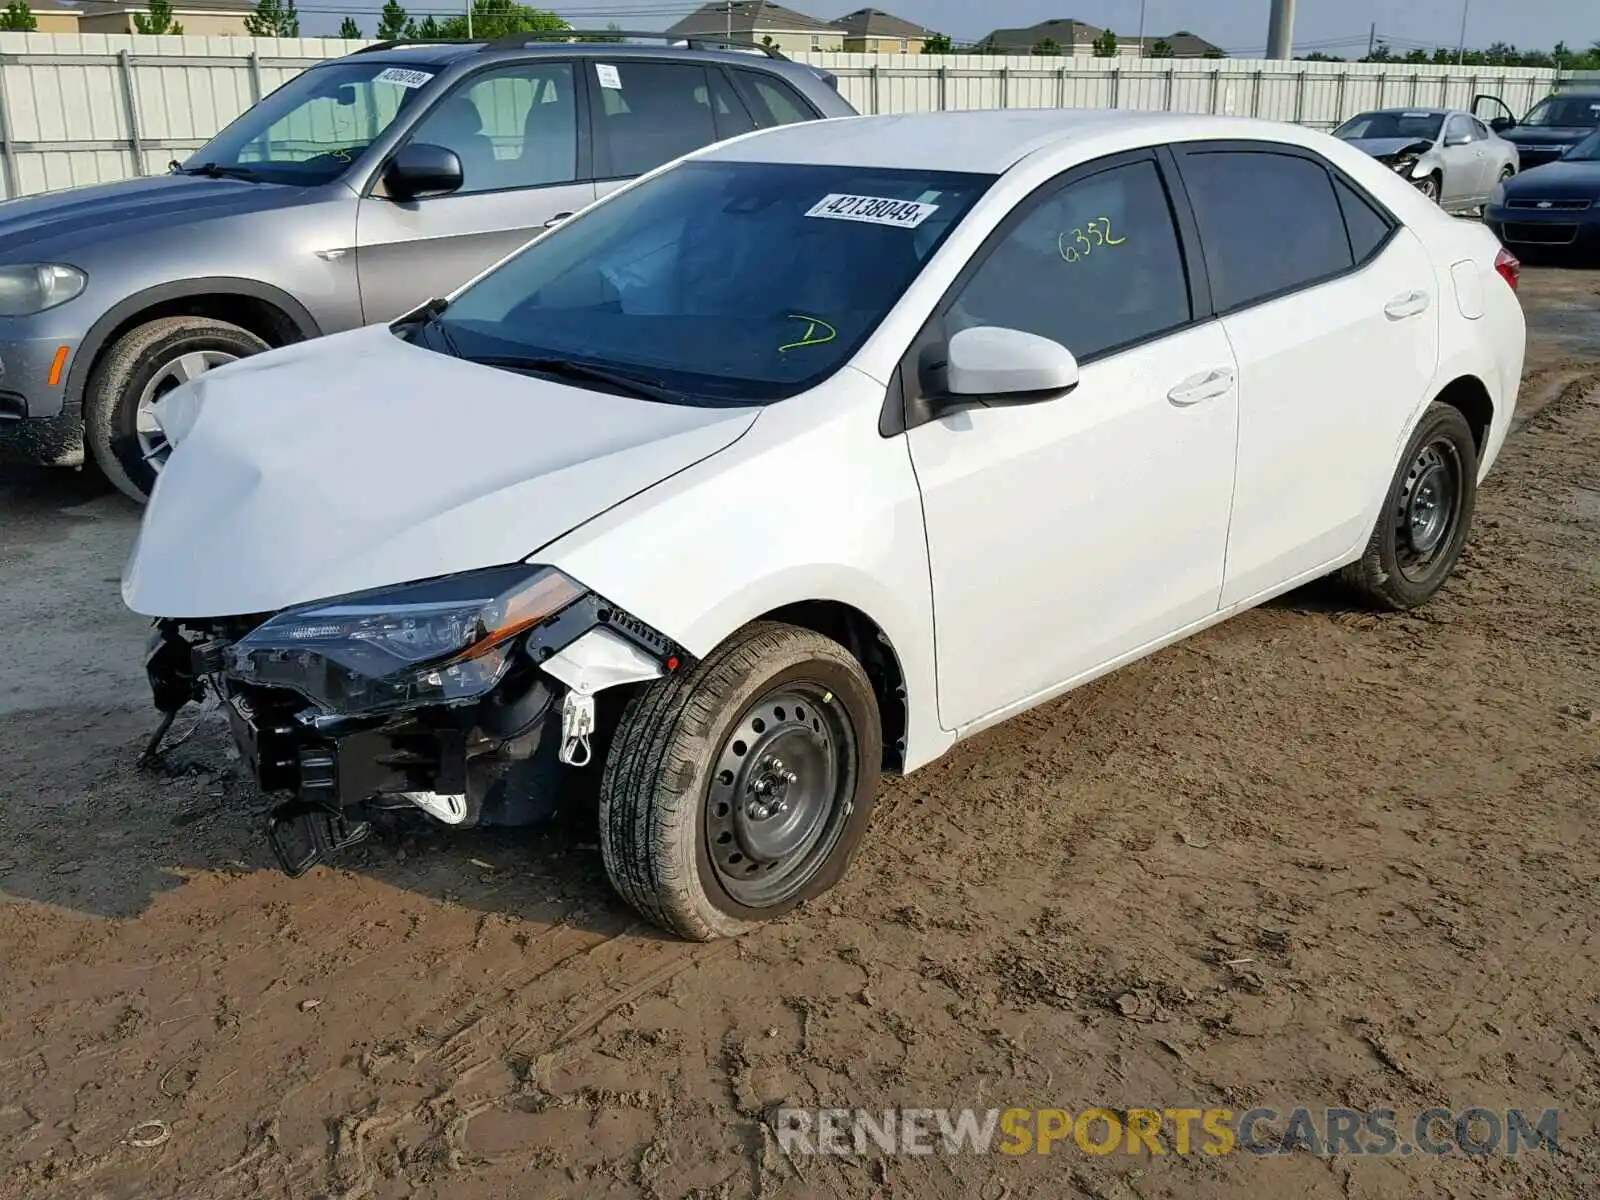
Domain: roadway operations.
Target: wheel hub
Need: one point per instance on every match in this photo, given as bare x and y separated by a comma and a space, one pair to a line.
153, 445
1427, 508
774, 805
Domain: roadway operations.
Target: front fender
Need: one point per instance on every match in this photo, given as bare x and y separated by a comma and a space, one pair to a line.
812, 504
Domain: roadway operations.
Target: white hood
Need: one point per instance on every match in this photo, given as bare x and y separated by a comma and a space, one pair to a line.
359, 461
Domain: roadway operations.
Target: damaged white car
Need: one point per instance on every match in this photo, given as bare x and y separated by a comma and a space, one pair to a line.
805, 457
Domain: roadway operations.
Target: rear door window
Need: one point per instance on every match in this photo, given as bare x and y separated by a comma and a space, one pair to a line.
1269, 220
1369, 229
648, 113
775, 102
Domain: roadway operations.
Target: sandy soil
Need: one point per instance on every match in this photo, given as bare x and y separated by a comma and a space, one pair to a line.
1387, 826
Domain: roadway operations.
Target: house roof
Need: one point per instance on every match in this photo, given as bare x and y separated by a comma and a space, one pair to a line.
748, 16
1184, 45
874, 22
1064, 32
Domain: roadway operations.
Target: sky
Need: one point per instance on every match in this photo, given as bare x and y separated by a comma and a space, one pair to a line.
1239, 26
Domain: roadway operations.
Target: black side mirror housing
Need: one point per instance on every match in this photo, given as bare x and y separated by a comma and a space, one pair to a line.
1501, 124
420, 169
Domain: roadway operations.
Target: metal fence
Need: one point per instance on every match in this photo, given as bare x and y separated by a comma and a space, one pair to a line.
90, 108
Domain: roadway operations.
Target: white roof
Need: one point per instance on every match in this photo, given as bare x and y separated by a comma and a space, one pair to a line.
985, 141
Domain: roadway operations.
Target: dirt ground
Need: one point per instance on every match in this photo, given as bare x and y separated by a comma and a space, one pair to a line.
1313, 857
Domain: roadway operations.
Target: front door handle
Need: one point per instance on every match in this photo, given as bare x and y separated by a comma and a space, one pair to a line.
1205, 386
1408, 305
556, 220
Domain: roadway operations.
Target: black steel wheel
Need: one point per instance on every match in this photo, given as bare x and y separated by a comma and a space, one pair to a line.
780, 795
736, 791
1422, 529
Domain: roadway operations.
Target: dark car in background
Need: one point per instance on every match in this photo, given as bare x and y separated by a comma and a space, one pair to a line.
1554, 209
1551, 128
357, 190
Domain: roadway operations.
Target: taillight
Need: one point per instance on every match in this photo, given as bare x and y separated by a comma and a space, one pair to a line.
1509, 266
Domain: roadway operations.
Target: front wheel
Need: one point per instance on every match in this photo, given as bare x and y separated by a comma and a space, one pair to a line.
1429, 187
142, 366
737, 791
1423, 526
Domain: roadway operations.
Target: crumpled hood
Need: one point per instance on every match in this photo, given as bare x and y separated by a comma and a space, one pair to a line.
359, 461
1387, 147
149, 206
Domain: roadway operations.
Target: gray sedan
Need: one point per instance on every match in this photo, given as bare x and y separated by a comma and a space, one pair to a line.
1451, 156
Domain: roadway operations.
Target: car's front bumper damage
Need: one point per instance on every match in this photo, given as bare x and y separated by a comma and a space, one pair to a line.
493, 761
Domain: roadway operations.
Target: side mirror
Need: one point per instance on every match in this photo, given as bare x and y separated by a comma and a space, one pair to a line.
1006, 366
1458, 139
420, 169
1501, 124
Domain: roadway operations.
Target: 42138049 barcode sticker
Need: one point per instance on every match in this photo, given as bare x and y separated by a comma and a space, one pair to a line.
403, 76
874, 210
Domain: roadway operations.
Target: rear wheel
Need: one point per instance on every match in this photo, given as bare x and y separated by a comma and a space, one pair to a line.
1423, 526
741, 789
142, 366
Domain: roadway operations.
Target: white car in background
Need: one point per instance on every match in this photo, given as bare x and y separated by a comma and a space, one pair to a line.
808, 456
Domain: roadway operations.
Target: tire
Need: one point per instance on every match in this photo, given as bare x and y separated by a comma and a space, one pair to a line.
1429, 186
682, 795
1407, 559
141, 365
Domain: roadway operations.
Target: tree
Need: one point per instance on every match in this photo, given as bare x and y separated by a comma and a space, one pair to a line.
392, 21
938, 43
1047, 48
157, 20
427, 29
273, 18
18, 18
613, 33
349, 30
496, 18
1380, 54
1319, 56
1105, 46
1162, 49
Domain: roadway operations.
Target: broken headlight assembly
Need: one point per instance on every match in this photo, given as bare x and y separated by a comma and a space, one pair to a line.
444, 641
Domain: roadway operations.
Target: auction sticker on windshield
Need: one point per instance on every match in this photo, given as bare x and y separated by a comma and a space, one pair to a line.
874, 210
403, 76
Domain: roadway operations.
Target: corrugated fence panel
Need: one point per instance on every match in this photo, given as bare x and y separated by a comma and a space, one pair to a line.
66, 99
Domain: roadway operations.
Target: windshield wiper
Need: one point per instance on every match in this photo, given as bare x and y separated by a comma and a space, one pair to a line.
215, 171
565, 368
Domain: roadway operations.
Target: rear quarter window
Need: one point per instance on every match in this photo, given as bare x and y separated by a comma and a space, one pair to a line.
1270, 222
774, 101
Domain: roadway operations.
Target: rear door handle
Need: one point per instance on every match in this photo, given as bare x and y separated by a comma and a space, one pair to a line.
1408, 305
556, 220
1204, 386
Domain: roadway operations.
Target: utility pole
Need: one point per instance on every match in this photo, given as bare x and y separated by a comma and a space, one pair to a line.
1372, 39
730, 20
469, 20
1280, 30
1461, 46
1141, 29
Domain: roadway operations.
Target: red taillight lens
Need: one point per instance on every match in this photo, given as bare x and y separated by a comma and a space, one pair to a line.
1509, 266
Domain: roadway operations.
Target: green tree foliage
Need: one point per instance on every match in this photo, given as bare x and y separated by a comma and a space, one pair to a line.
938, 43
18, 18
428, 27
1105, 46
495, 18
1162, 49
157, 20
613, 33
273, 18
1047, 48
349, 30
392, 21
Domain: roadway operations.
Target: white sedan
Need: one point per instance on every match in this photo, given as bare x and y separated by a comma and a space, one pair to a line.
804, 458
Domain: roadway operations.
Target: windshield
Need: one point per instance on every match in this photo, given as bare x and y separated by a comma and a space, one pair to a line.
1416, 126
1587, 150
1565, 112
313, 127
733, 283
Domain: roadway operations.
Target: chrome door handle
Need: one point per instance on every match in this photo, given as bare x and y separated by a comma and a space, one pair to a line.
556, 220
1408, 305
1205, 386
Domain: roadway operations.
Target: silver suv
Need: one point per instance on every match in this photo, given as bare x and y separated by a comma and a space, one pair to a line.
359, 189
